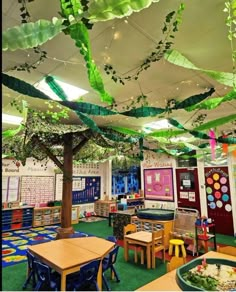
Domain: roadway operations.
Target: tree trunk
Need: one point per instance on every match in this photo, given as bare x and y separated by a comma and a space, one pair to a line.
66, 211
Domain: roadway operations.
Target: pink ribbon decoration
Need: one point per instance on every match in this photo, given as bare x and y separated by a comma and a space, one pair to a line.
212, 144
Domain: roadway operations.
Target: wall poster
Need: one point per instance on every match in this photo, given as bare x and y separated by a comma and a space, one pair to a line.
158, 184
37, 189
85, 189
10, 188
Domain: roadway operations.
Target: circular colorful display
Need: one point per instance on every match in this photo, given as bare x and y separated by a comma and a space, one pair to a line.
216, 176
223, 180
209, 190
217, 195
216, 186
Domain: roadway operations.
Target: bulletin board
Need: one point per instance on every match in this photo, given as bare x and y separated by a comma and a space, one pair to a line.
37, 189
85, 189
10, 188
158, 184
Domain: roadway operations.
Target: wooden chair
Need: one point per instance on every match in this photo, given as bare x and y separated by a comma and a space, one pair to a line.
231, 250
131, 228
175, 262
157, 245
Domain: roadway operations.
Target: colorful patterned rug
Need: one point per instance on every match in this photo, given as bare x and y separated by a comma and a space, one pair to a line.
15, 243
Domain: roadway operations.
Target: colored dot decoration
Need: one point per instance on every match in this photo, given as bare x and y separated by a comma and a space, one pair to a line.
217, 191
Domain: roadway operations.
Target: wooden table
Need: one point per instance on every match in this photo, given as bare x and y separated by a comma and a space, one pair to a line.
143, 238
67, 255
168, 283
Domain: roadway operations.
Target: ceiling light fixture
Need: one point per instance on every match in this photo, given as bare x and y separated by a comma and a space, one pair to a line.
72, 92
157, 125
9, 119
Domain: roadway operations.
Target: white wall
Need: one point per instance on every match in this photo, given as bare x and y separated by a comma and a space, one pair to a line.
34, 168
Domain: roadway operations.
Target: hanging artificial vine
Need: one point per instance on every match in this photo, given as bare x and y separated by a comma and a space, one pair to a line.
230, 8
25, 18
170, 27
199, 120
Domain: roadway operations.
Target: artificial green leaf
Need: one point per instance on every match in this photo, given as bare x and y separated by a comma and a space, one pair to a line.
71, 7
104, 10
178, 59
166, 133
79, 33
125, 131
216, 123
29, 35
10, 133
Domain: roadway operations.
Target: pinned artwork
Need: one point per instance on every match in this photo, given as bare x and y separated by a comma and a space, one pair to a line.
158, 184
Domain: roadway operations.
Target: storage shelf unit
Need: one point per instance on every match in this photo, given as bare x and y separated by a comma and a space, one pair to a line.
17, 218
103, 208
47, 216
135, 203
151, 225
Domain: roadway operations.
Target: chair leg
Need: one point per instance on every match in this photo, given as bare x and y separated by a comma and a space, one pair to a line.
142, 257
116, 274
135, 256
104, 280
31, 275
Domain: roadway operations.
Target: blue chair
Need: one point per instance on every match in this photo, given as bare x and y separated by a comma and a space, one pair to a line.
112, 238
77, 235
108, 263
46, 279
31, 270
83, 279
39, 241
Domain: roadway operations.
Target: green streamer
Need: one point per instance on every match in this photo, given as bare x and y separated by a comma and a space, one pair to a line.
144, 112
193, 100
213, 102
178, 59
56, 88
22, 87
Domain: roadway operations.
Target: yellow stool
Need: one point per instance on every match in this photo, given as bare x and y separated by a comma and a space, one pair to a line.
176, 243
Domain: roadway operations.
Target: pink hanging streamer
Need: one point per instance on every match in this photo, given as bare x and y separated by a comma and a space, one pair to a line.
212, 144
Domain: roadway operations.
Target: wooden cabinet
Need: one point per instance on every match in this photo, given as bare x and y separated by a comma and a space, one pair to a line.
47, 216
151, 225
103, 208
17, 218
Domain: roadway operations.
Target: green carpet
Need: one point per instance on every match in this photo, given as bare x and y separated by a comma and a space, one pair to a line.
132, 275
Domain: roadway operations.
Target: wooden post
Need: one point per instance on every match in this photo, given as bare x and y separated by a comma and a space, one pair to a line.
66, 211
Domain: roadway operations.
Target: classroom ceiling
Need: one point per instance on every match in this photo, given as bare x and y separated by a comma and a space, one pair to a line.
125, 43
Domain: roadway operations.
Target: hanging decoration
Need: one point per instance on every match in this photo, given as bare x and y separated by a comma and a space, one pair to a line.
29, 35
212, 144
224, 145
170, 27
56, 88
176, 58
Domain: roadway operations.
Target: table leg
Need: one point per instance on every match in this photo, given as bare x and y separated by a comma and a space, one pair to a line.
148, 257
63, 282
126, 253
99, 276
